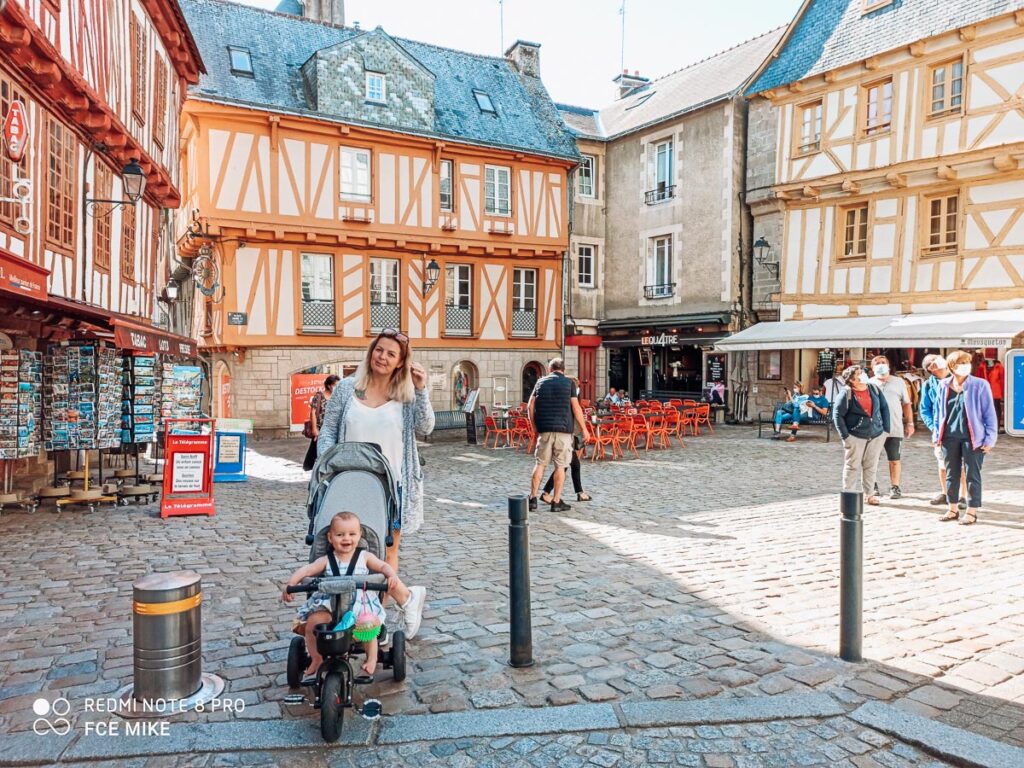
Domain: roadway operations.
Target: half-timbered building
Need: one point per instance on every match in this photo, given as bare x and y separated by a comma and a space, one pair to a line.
352, 181
886, 186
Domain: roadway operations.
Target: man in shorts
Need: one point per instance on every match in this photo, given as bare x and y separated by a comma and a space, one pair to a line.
553, 408
901, 417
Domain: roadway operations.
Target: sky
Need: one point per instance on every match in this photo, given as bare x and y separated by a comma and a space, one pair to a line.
581, 40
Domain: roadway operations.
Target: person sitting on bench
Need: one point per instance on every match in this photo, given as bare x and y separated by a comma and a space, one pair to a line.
789, 412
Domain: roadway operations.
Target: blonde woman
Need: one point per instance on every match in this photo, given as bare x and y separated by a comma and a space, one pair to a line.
385, 402
965, 429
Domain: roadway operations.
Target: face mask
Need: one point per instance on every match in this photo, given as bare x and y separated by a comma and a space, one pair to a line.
963, 370
863, 378
939, 365
881, 370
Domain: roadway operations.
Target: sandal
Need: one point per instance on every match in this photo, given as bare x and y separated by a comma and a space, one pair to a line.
950, 515
874, 501
546, 498
584, 496
970, 518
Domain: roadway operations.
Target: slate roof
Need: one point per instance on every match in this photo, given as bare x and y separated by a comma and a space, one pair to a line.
827, 34
279, 44
582, 122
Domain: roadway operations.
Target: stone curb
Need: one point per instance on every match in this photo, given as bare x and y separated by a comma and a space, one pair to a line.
652, 714
943, 741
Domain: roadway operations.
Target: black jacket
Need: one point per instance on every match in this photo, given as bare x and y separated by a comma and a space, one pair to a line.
553, 403
850, 418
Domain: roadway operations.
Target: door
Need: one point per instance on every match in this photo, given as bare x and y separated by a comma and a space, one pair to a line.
588, 373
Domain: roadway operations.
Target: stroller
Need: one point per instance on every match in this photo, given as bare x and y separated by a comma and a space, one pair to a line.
354, 477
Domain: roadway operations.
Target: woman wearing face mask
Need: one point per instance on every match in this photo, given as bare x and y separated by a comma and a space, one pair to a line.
965, 429
861, 417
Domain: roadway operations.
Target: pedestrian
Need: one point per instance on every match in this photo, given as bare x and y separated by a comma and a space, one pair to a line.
965, 428
553, 407
317, 406
939, 370
901, 419
385, 402
789, 411
574, 465
861, 417
997, 381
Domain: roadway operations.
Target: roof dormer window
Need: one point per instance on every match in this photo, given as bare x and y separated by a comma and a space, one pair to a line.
376, 87
484, 102
241, 61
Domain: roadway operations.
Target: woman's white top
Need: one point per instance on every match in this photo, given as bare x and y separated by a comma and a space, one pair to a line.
381, 425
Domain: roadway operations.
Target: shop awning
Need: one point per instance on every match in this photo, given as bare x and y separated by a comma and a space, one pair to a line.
978, 328
675, 341
667, 321
144, 338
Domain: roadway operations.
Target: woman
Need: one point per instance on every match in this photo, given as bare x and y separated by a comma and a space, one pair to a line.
861, 417
574, 466
965, 429
789, 411
317, 406
385, 402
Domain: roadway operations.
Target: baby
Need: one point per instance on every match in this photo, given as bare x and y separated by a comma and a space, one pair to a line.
343, 537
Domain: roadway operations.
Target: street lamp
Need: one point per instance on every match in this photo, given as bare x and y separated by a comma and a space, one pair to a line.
133, 184
171, 291
762, 254
430, 275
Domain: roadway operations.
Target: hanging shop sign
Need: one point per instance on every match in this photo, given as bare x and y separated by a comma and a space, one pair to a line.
16, 131
715, 368
140, 339
22, 277
304, 386
188, 469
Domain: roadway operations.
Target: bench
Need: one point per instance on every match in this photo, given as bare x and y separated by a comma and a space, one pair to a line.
817, 420
449, 420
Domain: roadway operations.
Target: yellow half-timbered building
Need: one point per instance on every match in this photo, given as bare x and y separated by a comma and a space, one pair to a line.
349, 182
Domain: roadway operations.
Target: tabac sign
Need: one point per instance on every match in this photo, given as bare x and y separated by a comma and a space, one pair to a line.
16, 131
660, 340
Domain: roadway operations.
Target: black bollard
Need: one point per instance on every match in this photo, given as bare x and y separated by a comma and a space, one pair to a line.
851, 576
520, 628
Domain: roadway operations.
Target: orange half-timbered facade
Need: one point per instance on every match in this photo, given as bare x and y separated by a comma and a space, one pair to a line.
325, 215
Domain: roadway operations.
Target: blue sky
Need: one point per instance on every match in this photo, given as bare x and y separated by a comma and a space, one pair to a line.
580, 39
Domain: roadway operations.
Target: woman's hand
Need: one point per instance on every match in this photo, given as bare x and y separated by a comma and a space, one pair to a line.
419, 375
316, 433
986, 448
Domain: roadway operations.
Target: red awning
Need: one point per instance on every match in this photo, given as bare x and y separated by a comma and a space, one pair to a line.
145, 338
22, 277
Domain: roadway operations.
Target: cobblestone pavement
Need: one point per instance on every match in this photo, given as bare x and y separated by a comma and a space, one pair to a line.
709, 570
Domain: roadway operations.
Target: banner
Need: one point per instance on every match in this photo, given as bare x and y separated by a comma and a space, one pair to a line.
304, 386
188, 470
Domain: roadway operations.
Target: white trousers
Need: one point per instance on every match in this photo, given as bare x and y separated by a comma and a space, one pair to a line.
861, 463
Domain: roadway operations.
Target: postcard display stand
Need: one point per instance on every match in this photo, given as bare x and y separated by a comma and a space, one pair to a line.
82, 408
139, 415
21, 386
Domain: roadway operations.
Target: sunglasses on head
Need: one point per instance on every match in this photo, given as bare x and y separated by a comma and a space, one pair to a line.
394, 333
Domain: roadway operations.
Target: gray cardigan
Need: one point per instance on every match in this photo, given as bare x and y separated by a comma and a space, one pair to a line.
417, 418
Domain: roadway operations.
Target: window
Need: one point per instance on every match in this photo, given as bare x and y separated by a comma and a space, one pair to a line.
947, 87
585, 176
810, 127
102, 225
497, 191
355, 174
484, 102
8, 170
874, 5
376, 88
663, 164
159, 102
659, 269
241, 61
855, 232
385, 311
524, 302
138, 43
942, 224
585, 266
317, 275
878, 107
458, 288
60, 185
769, 365
447, 176
128, 243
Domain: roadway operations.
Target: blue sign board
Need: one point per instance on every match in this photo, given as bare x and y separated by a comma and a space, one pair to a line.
1015, 392
229, 458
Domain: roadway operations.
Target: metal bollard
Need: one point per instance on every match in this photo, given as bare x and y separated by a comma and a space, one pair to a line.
521, 630
851, 576
167, 632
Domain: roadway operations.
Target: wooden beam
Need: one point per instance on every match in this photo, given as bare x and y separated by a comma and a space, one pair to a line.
916, 49
782, 194
968, 33
311, 237
1005, 162
809, 191
898, 180
851, 186
796, 87
1018, 17
872, 63
831, 76
945, 172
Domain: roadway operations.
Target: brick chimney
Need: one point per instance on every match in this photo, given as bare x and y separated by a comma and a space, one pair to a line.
330, 11
627, 83
525, 56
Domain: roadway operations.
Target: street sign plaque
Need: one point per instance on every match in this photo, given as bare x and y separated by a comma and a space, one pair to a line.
16, 131
1014, 417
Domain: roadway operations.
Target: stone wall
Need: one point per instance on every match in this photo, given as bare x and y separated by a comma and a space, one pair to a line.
767, 211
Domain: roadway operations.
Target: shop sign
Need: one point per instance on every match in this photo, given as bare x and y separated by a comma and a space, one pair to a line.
304, 386
188, 471
983, 342
16, 131
140, 340
1014, 416
238, 318
22, 277
660, 340
715, 368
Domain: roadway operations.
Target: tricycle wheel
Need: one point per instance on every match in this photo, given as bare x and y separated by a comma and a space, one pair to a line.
332, 706
296, 661
398, 656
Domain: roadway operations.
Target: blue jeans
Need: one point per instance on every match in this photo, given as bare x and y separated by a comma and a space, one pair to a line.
783, 415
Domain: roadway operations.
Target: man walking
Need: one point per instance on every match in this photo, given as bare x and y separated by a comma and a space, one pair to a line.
901, 417
939, 370
553, 408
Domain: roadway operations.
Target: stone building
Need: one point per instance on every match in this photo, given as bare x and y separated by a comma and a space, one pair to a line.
660, 243
351, 181
892, 202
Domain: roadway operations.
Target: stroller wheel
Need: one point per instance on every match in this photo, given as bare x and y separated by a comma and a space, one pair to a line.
332, 707
398, 656
296, 661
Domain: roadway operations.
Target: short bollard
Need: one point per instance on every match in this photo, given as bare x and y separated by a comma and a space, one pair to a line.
520, 628
851, 576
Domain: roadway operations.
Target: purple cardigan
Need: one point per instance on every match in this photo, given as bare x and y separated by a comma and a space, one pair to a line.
979, 407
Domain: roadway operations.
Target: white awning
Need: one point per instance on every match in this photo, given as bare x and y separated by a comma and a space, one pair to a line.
979, 328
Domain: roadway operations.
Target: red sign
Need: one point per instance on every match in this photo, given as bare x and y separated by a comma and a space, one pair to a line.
304, 386
16, 131
22, 277
188, 470
141, 339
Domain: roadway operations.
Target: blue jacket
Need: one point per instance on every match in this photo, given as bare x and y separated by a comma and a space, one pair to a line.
927, 406
979, 406
850, 418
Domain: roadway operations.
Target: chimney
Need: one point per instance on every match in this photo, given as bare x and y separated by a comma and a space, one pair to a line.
329, 11
525, 56
627, 83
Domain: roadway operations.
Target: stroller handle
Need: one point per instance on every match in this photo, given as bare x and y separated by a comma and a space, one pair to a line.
337, 585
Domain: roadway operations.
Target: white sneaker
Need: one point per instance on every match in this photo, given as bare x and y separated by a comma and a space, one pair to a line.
413, 609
